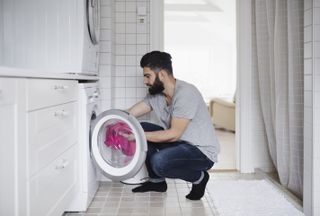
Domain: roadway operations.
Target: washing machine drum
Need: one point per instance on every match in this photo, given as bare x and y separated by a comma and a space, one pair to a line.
118, 144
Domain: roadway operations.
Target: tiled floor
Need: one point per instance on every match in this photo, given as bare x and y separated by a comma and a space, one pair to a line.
116, 199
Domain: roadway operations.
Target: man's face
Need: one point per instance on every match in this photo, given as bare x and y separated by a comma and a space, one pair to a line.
151, 79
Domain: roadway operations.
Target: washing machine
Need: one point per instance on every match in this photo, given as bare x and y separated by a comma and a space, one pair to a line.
111, 143
78, 36
89, 27
88, 176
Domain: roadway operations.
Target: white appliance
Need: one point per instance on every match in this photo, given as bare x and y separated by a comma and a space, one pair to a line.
88, 176
50, 36
88, 59
118, 158
95, 156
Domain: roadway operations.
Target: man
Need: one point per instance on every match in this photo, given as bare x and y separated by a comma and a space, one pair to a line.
184, 146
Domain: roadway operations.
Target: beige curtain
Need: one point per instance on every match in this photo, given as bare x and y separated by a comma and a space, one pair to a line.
278, 49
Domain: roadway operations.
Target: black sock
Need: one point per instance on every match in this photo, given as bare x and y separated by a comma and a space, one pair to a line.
198, 190
150, 186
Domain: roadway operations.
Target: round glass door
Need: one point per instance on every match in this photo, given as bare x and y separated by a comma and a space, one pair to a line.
93, 20
118, 144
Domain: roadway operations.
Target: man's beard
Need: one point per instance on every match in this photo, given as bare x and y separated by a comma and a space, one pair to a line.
157, 87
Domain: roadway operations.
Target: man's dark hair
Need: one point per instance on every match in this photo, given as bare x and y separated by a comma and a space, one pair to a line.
157, 61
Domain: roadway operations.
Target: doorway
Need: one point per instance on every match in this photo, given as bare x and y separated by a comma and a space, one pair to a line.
246, 152
201, 37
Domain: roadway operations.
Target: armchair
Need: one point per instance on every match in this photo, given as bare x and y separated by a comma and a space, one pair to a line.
222, 113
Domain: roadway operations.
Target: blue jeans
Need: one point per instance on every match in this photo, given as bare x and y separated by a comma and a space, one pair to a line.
175, 159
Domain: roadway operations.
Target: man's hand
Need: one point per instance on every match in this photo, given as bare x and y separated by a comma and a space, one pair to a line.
129, 137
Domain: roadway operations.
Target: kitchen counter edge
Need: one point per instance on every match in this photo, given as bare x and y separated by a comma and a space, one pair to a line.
23, 73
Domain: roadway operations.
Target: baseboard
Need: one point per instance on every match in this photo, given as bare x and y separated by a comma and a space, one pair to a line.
222, 170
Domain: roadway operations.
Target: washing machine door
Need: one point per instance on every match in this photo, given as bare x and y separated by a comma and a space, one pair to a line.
118, 144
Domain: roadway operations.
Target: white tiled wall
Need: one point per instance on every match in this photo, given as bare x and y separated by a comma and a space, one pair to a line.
106, 53
312, 107
124, 40
131, 41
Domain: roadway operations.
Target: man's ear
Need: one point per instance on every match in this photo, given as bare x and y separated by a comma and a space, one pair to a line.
161, 74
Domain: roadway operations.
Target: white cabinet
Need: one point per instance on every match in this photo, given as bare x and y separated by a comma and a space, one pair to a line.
51, 145
10, 97
46, 36
38, 145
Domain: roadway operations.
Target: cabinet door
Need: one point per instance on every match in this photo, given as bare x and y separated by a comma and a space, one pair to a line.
8, 146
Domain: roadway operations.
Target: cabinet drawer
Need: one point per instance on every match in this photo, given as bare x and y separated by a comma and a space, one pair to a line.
50, 189
7, 91
44, 93
50, 132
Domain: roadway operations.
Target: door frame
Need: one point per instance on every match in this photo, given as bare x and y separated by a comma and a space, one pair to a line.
244, 151
244, 73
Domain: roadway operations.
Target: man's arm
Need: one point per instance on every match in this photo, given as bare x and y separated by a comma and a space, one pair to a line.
139, 109
178, 126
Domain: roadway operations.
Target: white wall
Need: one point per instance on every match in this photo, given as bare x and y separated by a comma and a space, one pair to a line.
132, 41
202, 43
311, 196
124, 41
106, 67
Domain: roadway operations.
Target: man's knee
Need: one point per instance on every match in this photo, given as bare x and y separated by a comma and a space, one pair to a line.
159, 164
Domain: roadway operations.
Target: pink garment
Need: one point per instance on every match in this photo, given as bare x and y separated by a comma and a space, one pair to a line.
115, 140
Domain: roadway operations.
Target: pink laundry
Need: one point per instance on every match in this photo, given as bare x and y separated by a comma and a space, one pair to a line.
114, 140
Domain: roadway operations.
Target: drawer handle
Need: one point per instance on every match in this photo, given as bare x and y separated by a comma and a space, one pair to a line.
61, 113
60, 87
63, 165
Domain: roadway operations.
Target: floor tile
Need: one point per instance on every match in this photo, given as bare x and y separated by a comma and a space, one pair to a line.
116, 199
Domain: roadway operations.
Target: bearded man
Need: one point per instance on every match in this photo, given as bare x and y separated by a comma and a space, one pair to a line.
184, 145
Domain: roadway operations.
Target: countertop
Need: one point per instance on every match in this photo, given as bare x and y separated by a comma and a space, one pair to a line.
27, 73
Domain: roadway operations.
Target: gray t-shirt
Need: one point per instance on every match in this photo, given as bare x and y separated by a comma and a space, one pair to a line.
188, 103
